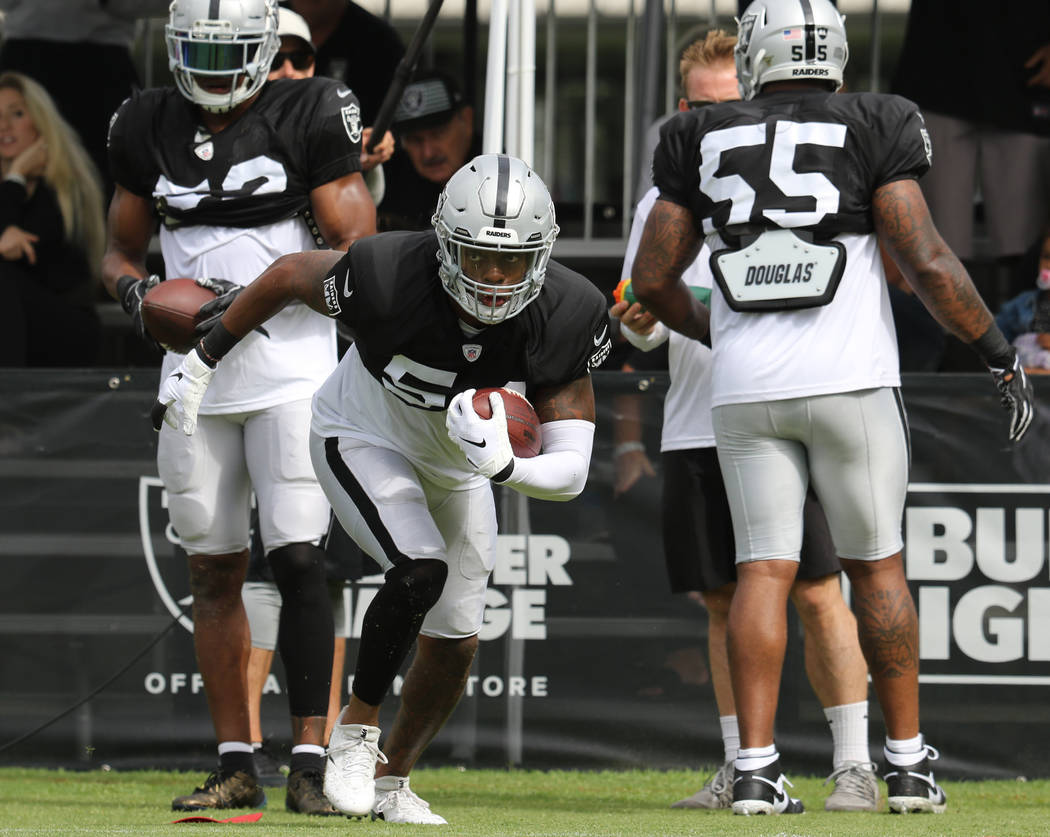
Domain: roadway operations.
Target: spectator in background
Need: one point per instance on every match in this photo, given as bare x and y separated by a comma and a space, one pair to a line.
354, 46
435, 128
51, 233
1016, 314
1033, 347
297, 59
702, 69
987, 111
79, 51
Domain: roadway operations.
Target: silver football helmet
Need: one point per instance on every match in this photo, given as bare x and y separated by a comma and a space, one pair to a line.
494, 203
790, 39
221, 39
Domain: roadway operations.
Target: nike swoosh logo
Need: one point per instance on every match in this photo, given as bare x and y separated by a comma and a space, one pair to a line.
480, 444
598, 340
347, 290
342, 94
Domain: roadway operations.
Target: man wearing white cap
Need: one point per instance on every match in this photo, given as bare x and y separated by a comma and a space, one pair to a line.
296, 58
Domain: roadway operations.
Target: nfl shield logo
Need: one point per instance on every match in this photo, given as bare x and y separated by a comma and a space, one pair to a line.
471, 351
352, 122
205, 151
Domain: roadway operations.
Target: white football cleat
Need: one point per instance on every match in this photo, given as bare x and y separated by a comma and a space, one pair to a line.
349, 775
395, 801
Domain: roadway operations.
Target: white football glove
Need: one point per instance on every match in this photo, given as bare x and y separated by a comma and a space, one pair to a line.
484, 442
181, 394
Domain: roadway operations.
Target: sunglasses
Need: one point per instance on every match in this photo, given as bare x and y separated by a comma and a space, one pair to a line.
301, 59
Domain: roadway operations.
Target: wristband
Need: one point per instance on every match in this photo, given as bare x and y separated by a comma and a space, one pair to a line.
216, 343
993, 349
505, 473
647, 342
627, 447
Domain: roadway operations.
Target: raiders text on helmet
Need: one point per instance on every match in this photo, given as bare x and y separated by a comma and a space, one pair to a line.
790, 39
220, 41
497, 203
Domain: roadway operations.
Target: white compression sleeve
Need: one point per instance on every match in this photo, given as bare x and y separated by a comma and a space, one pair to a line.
560, 471
647, 342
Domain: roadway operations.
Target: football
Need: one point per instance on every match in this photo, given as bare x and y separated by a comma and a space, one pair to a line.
523, 425
169, 311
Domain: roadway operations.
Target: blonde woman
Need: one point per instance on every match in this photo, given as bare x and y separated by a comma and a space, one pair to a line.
51, 233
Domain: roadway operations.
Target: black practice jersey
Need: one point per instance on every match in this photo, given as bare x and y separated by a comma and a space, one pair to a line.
808, 159
407, 329
297, 135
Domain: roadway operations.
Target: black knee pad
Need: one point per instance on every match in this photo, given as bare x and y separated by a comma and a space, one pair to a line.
392, 622
418, 583
296, 559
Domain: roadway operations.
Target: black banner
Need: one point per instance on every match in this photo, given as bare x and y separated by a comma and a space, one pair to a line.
586, 660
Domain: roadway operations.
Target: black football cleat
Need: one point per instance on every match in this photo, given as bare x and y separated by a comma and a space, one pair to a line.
762, 792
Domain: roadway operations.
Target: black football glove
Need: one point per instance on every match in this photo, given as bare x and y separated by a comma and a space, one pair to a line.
130, 291
1017, 396
211, 311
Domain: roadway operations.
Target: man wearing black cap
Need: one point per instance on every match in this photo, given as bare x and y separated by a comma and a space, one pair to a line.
435, 130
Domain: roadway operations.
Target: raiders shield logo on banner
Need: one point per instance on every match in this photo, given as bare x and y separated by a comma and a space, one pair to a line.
352, 122
167, 569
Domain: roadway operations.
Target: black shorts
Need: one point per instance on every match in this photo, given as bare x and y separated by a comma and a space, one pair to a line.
698, 532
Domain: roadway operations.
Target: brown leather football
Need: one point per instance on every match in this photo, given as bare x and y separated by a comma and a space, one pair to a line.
169, 312
523, 425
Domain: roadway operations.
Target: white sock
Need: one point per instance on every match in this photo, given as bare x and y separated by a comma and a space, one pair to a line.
901, 752
753, 758
235, 747
730, 736
316, 749
849, 732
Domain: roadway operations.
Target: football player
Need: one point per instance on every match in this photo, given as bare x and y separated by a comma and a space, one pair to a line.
698, 535
235, 172
794, 189
405, 460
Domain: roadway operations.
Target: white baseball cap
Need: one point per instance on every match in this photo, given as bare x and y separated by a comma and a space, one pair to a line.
291, 24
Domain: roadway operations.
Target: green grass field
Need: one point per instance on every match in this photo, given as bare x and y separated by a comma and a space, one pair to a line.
494, 803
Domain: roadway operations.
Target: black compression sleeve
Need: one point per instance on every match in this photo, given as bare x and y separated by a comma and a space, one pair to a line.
216, 343
993, 349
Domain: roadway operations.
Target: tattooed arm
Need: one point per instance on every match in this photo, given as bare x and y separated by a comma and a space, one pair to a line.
905, 229
670, 243
574, 400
